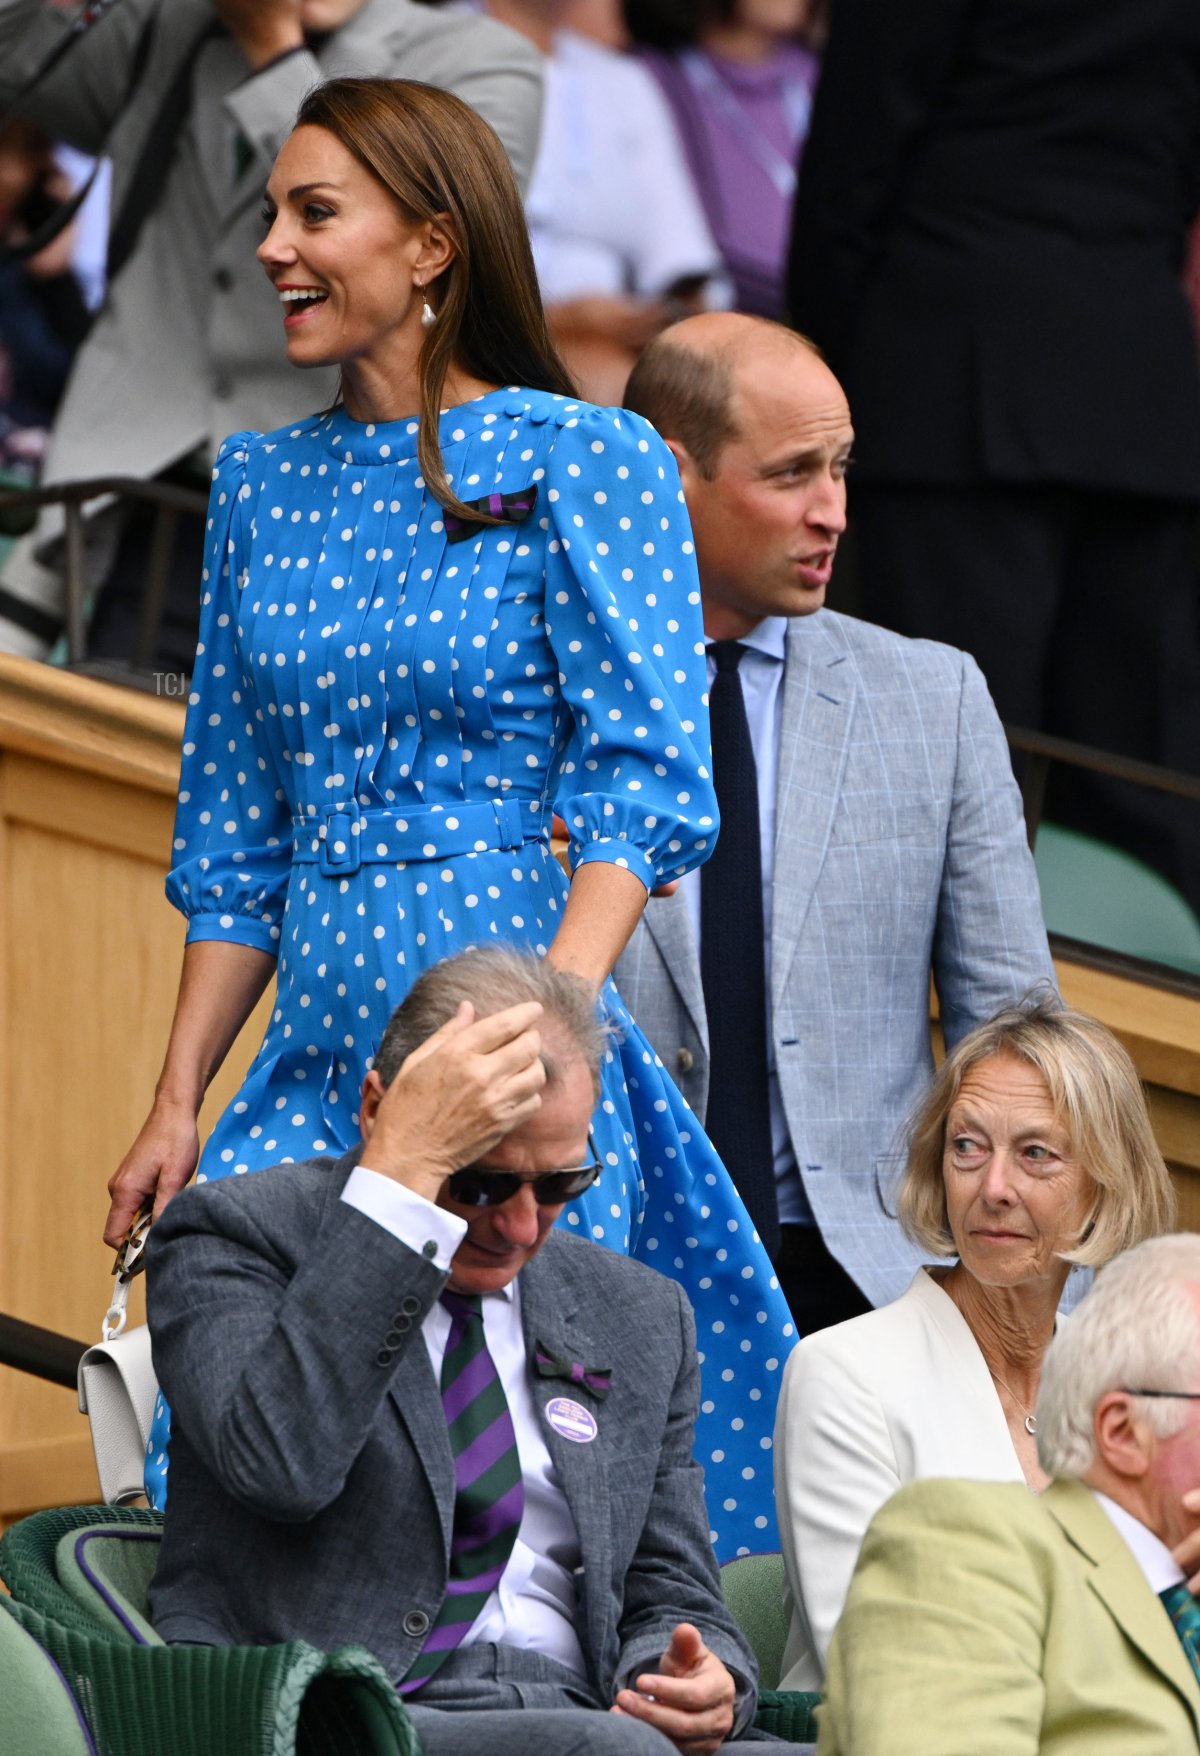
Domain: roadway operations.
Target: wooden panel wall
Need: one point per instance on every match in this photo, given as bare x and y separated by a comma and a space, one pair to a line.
89, 957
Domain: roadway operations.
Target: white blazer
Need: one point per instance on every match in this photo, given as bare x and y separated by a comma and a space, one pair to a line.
900, 1393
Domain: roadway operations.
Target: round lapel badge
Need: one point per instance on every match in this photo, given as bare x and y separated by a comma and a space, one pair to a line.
571, 1420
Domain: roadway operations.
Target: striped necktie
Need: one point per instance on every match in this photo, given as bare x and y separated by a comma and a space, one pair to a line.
1184, 1612
489, 1492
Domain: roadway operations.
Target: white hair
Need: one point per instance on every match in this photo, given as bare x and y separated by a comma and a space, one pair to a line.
1136, 1329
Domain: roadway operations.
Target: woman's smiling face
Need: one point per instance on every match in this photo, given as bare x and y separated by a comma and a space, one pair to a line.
343, 258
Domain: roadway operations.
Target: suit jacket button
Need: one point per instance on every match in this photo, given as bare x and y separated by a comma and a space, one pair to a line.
385, 1356
684, 1061
410, 1305
416, 1623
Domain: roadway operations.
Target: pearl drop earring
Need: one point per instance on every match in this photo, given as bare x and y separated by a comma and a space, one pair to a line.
428, 314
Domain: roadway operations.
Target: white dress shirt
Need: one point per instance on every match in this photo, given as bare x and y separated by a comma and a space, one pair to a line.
533, 1607
1159, 1567
761, 672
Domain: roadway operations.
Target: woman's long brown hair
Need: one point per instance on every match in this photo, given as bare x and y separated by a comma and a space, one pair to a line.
441, 162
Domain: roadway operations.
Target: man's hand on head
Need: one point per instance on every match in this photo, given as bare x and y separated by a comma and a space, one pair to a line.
466, 1087
690, 1699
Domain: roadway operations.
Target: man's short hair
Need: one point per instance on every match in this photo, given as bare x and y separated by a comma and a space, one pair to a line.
686, 393
1096, 1095
492, 978
1137, 1329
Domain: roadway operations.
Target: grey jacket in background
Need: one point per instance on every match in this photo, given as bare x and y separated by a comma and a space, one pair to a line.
189, 345
312, 1484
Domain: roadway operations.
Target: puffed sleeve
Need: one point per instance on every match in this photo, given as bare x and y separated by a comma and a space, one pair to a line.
623, 618
232, 849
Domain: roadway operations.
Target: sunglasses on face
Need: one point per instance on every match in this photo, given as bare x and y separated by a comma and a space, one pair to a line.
474, 1186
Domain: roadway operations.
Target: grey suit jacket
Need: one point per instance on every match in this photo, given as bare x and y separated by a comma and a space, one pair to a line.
900, 851
312, 1484
148, 388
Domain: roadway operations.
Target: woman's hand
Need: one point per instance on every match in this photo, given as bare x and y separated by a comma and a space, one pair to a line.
218, 988
158, 1164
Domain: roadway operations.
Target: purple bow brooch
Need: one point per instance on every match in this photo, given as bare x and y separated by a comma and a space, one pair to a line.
509, 508
597, 1379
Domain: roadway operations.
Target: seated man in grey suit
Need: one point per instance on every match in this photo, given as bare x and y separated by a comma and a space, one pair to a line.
871, 831
410, 1414
1057, 1624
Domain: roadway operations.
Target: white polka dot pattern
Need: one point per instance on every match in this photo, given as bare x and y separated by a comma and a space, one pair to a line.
379, 725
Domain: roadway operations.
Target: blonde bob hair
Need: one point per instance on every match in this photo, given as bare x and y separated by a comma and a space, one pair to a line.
1097, 1097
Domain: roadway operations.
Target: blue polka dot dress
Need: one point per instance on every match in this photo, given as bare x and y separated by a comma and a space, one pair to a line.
382, 720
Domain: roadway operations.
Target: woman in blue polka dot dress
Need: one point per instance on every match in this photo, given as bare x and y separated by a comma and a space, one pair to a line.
412, 651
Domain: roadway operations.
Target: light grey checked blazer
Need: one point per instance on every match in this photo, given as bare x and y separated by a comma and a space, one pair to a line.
312, 1482
900, 851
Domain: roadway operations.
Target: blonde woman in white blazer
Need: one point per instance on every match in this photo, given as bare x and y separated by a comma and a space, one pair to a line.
1033, 1151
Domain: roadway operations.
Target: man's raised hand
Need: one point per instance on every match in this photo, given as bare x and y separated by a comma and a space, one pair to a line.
466, 1087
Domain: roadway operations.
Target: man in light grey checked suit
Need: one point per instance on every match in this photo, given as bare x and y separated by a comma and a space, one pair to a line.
879, 841
409, 1414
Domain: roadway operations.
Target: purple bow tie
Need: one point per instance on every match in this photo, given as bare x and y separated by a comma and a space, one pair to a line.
597, 1379
510, 508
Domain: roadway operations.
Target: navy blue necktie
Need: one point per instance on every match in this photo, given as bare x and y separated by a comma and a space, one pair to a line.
732, 966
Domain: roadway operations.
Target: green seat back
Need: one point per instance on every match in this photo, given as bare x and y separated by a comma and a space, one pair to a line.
107, 1570
29, 1562
1100, 894
38, 1713
753, 1591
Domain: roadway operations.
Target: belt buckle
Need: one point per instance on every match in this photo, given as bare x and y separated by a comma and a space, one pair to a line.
341, 849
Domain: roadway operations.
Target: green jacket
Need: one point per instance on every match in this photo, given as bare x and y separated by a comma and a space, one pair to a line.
987, 1620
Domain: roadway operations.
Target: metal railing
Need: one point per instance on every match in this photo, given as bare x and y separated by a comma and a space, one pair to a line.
170, 499
42, 1352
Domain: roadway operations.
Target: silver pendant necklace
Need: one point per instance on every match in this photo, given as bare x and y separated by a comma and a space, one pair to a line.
1030, 1420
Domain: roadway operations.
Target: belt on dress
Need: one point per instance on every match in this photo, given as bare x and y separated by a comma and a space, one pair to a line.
341, 838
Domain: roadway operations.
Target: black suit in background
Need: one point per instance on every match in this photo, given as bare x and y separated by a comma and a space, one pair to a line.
988, 244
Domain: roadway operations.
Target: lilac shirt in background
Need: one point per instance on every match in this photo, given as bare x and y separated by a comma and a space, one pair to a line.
743, 126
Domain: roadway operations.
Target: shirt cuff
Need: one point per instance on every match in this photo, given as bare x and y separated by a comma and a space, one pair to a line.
407, 1216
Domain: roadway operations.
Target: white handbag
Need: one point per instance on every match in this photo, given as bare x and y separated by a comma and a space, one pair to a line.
117, 1387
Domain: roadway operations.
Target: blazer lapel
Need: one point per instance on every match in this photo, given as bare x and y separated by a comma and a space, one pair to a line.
418, 1403
1121, 1586
550, 1316
668, 921
819, 689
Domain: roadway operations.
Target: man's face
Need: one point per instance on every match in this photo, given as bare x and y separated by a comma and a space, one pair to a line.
501, 1240
1174, 1467
767, 524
